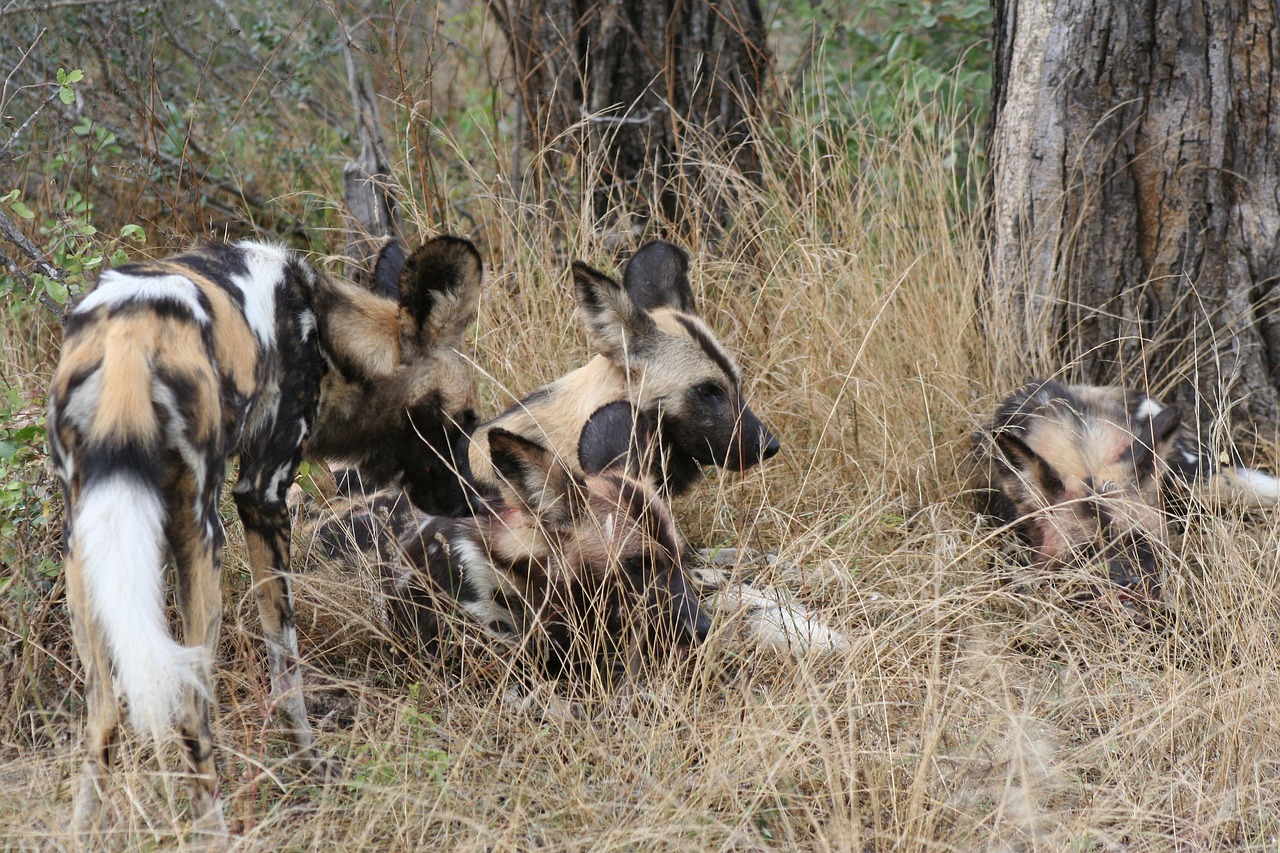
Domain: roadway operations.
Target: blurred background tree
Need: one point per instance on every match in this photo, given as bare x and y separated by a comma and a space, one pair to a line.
650, 85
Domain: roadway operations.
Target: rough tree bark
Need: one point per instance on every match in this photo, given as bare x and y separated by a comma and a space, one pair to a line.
1136, 197
368, 186
637, 84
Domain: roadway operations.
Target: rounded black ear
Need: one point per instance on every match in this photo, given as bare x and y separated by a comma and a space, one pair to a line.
657, 276
1165, 426
615, 436
388, 267
1154, 438
440, 283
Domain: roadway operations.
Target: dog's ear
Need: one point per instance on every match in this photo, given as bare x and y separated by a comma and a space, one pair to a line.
1155, 437
615, 325
387, 268
616, 436
440, 288
1030, 466
657, 276
532, 477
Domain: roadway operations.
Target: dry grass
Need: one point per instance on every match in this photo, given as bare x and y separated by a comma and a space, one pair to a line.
970, 714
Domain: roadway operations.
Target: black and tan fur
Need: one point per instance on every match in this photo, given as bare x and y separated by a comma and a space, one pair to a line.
1086, 474
356, 531
584, 573
662, 393
171, 367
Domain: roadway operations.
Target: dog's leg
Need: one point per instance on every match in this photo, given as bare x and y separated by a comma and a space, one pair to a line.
266, 530
195, 540
103, 709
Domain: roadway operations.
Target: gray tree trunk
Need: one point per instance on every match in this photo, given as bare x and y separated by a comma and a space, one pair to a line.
368, 186
633, 85
1135, 223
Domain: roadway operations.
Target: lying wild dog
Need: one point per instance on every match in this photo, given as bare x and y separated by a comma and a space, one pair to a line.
360, 530
1086, 473
171, 367
661, 392
587, 574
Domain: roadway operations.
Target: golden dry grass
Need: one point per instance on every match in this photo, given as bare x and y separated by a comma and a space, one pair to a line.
971, 713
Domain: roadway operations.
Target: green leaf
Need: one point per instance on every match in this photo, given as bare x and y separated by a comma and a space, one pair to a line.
133, 232
28, 433
67, 94
57, 291
21, 210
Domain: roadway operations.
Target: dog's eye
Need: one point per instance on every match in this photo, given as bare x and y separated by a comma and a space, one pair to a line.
636, 569
712, 389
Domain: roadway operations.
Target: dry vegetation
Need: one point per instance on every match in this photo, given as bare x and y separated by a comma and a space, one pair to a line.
978, 709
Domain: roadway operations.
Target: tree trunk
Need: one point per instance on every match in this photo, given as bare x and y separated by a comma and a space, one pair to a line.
368, 186
631, 86
1135, 224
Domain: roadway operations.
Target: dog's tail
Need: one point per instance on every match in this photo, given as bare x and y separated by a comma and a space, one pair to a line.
117, 535
768, 618
1249, 486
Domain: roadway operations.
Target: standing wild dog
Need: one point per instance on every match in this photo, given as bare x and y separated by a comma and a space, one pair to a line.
1085, 472
586, 573
171, 367
662, 392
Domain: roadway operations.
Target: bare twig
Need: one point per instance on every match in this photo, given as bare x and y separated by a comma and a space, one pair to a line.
57, 4
4, 149
4, 93
9, 230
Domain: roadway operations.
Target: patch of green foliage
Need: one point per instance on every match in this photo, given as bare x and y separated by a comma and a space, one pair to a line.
861, 65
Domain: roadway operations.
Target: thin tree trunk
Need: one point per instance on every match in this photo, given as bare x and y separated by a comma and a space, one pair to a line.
368, 186
1136, 197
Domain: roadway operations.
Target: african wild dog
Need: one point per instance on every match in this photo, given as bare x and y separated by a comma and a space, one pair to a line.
169, 368
357, 531
586, 573
1086, 474
662, 392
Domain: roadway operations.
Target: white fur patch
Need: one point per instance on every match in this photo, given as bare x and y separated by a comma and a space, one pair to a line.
769, 618
115, 288
306, 325
177, 437
80, 407
1250, 485
1148, 409
266, 265
119, 539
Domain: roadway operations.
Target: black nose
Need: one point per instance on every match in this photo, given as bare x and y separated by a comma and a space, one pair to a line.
701, 627
769, 445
